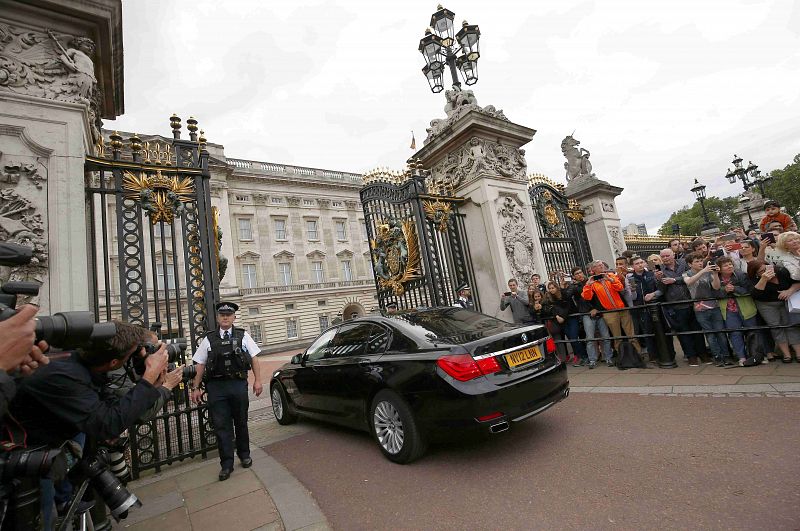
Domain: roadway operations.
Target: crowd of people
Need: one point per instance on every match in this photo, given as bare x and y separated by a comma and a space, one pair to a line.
714, 294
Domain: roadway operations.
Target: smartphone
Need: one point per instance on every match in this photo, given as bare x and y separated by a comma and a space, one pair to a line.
735, 247
597, 277
727, 237
567, 278
658, 267
507, 293
768, 236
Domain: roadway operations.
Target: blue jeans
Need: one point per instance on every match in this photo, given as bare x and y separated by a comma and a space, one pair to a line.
735, 320
572, 331
711, 320
589, 326
52, 494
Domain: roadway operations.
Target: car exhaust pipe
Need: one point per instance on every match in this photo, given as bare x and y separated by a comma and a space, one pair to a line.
566, 392
497, 428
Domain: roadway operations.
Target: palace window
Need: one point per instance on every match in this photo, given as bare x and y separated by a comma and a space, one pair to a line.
248, 275
254, 311
285, 273
255, 332
245, 229
322, 303
323, 323
347, 270
341, 230
170, 278
280, 229
317, 272
311, 229
291, 329
289, 306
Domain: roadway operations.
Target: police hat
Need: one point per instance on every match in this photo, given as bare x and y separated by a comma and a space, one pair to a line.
461, 287
227, 307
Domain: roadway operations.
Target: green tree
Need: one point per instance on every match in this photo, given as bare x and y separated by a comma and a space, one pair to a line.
785, 186
720, 211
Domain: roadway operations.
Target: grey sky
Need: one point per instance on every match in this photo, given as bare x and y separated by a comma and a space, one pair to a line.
659, 92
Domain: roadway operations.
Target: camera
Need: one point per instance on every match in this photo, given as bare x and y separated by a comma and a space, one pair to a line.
65, 330
175, 350
719, 253
109, 487
33, 463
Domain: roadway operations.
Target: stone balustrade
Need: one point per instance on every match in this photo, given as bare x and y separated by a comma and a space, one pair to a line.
282, 169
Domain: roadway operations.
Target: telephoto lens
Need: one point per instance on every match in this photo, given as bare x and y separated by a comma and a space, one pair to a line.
189, 371
175, 349
108, 486
117, 462
72, 329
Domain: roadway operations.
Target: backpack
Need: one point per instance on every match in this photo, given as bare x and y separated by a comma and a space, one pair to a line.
629, 358
756, 349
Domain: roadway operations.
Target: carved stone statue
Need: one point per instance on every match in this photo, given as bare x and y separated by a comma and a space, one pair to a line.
517, 241
37, 64
577, 164
459, 102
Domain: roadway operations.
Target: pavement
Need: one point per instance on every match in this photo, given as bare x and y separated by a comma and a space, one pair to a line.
269, 496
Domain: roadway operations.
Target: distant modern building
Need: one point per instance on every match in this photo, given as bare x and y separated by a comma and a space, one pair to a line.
635, 229
296, 244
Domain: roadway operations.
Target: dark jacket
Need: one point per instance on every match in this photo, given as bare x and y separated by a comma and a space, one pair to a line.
677, 291
572, 293
65, 398
642, 285
770, 291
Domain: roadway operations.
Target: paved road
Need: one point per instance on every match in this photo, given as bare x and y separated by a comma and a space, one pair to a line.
592, 462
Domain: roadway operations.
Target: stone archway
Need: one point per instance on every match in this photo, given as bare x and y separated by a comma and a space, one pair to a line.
353, 310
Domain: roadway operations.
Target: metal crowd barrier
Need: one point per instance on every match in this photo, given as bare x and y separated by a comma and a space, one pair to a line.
662, 338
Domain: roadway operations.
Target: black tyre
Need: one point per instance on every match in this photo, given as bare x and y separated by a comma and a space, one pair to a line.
280, 405
395, 429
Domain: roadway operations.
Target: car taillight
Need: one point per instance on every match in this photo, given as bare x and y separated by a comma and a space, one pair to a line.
550, 345
464, 367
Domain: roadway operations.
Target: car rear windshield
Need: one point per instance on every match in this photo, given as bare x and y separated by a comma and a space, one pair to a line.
453, 325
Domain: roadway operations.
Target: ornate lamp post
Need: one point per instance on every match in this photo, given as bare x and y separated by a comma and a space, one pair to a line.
750, 175
744, 201
700, 191
440, 47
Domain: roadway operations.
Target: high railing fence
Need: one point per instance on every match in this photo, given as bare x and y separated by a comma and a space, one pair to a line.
153, 247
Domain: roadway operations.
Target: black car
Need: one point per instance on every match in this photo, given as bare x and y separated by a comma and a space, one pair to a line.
415, 375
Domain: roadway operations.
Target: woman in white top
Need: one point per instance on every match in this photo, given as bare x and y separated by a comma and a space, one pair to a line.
788, 246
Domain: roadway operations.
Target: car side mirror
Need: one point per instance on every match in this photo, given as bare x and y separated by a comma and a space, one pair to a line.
297, 359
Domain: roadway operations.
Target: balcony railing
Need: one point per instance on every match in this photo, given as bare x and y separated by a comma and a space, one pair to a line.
304, 287
283, 169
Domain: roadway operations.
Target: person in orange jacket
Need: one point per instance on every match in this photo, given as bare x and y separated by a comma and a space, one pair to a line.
603, 289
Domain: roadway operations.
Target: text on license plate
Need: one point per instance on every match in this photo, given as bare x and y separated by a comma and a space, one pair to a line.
523, 356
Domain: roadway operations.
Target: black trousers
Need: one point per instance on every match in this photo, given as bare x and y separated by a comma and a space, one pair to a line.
228, 403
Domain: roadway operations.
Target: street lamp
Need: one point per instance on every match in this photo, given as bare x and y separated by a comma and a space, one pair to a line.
441, 46
745, 203
700, 191
749, 175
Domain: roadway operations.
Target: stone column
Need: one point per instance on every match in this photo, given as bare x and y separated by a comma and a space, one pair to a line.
600, 215
475, 153
61, 72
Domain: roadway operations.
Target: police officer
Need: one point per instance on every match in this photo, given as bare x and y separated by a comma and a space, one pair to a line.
224, 357
464, 297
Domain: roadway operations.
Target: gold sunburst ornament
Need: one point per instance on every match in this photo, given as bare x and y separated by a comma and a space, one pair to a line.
160, 196
438, 212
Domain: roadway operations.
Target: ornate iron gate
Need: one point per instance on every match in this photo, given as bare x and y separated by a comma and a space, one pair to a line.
153, 253
562, 232
420, 253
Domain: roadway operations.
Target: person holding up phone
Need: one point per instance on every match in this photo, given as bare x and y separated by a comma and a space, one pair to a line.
518, 302
703, 282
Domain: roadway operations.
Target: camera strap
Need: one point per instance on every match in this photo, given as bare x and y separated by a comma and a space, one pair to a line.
14, 435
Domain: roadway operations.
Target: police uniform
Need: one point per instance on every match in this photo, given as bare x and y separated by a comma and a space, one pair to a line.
227, 355
464, 302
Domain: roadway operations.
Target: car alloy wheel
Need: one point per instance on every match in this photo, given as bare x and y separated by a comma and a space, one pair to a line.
280, 405
388, 427
277, 403
395, 429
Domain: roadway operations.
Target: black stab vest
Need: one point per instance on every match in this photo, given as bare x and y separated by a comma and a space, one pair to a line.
227, 359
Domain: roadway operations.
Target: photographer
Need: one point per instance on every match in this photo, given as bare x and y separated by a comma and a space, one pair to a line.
69, 396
